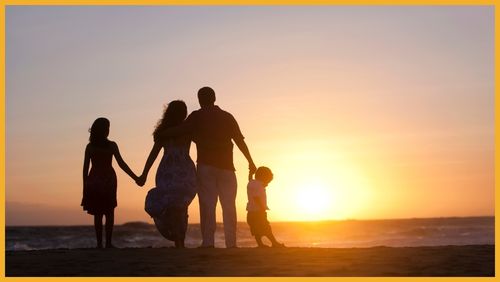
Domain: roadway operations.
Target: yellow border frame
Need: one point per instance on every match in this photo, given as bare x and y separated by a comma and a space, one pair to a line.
233, 3
251, 2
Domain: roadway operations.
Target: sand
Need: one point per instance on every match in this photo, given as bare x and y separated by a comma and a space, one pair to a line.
377, 261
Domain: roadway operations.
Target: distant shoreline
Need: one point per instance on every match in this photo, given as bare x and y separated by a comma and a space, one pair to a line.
285, 222
468, 260
325, 234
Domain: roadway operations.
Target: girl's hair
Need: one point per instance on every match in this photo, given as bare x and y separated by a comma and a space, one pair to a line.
99, 132
174, 114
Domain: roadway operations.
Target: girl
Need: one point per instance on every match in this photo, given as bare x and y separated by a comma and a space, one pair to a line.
99, 186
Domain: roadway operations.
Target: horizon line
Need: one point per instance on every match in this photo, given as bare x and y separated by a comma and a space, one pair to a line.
278, 222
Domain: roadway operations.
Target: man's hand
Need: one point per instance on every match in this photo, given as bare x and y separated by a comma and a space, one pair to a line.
251, 170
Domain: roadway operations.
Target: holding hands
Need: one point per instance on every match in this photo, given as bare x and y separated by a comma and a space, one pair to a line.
141, 180
134, 177
251, 170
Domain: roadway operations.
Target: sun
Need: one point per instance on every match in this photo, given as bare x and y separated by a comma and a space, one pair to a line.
314, 201
332, 191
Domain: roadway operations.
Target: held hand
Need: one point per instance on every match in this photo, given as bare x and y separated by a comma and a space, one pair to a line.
251, 170
141, 180
134, 177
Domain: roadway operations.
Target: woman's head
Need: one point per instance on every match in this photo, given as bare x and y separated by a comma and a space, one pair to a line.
99, 131
174, 114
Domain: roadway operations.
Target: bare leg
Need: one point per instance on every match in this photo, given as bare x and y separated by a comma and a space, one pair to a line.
260, 244
181, 223
110, 220
179, 244
273, 240
98, 229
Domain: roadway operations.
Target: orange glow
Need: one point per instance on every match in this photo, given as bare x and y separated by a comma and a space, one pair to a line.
359, 114
314, 199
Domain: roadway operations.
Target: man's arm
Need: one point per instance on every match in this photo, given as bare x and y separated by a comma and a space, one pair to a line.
183, 129
244, 149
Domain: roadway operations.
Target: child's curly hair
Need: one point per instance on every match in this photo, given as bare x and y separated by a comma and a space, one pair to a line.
264, 173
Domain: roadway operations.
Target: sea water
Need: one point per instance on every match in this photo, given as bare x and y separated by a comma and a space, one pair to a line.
324, 234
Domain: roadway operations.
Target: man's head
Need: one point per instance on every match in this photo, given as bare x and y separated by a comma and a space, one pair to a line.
206, 96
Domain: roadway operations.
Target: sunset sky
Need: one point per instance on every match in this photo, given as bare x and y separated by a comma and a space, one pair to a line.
361, 112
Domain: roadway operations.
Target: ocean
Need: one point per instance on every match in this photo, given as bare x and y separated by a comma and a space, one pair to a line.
324, 234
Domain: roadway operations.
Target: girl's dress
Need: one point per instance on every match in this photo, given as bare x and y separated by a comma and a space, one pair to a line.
99, 194
168, 202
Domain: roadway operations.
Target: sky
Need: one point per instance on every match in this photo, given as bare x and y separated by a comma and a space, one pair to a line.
362, 112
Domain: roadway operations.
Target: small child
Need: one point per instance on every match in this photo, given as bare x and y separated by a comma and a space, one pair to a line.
257, 206
99, 185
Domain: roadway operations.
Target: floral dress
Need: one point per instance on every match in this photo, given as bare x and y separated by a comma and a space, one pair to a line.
168, 202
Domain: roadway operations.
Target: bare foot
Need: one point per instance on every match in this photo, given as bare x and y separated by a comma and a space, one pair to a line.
278, 245
206, 247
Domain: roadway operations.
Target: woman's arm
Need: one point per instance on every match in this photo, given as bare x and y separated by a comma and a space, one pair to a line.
121, 162
149, 162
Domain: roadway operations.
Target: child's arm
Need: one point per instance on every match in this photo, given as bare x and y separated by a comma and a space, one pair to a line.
86, 165
149, 162
122, 163
259, 202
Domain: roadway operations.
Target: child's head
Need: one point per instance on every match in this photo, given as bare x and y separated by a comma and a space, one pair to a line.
264, 174
99, 131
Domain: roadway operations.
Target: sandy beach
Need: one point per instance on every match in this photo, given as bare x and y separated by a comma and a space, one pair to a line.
473, 260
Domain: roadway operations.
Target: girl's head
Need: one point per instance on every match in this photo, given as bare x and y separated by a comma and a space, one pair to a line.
99, 131
264, 174
174, 114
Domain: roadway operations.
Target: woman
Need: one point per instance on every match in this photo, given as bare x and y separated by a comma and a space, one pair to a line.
168, 202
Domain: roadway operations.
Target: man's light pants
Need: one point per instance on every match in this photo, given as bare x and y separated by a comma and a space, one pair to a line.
215, 183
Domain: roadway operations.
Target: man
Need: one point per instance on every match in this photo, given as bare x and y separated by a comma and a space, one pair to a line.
213, 131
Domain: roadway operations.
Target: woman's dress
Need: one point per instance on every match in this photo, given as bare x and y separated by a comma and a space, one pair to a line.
168, 202
99, 193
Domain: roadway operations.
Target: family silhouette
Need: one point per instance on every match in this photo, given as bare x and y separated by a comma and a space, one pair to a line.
178, 180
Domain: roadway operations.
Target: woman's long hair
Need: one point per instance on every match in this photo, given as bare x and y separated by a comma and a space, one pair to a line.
174, 114
99, 132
